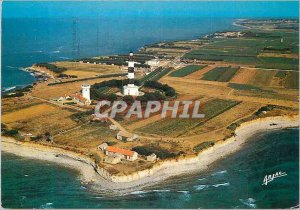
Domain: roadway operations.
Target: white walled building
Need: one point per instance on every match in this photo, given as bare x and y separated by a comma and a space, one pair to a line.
122, 153
153, 63
86, 92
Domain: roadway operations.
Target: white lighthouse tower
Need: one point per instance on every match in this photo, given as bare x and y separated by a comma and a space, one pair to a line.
86, 92
131, 89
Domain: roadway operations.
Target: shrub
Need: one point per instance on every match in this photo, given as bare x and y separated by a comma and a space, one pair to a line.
149, 149
128, 99
111, 143
203, 146
52, 67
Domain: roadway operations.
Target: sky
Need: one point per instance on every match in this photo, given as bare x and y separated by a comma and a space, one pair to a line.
230, 9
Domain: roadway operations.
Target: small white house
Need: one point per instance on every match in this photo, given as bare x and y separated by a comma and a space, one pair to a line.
102, 146
153, 62
151, 158
125, 136
113, 127
81, 100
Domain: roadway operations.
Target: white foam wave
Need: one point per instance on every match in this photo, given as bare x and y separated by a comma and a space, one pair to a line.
55, 51
185, 194
250, 202
64, 57
202, 179
138, 192
223, 184
11, 67
200, 187
219, 173
161, 190
9, 88
46, 206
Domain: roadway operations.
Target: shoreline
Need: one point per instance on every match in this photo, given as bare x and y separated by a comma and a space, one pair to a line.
99, 178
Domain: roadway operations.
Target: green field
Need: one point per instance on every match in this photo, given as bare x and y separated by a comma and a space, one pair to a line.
254, 91
161, 74
176, 126
186, 70
280, 74
245, 50
220, 74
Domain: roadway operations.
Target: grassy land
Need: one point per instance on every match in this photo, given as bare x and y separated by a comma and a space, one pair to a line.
174, 127
281, 74
255, 91
292, 80
220, 74
186, 70
246, 50
156, 74
161, 74
243, 86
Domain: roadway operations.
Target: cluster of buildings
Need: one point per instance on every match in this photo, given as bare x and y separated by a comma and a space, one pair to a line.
83, 99
228, 34
115, 155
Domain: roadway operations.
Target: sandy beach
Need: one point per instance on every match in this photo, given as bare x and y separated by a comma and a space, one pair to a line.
100, 178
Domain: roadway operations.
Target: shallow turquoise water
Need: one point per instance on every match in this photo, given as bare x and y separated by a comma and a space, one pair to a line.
235, 182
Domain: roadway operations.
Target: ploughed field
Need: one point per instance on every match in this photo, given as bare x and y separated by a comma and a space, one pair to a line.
236, 79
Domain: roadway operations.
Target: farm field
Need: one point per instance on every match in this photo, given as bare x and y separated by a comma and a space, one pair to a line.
33, 119
220, 74
174, 127
280, 48
186, 70
83, 70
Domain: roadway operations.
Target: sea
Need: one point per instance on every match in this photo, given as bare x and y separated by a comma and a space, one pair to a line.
234, 182
26, 41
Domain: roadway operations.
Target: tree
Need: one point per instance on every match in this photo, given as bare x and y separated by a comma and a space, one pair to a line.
128, 99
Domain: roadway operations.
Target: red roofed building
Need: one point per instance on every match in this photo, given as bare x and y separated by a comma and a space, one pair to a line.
81, 100
123, 153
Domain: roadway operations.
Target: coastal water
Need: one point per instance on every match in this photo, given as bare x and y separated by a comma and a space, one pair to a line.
26, 41
234, 182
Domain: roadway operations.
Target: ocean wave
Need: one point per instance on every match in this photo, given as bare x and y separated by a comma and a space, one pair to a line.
200, 187
161, 190
46, 206
223, 184
11, 67
26, 175
64, 57
9, 88
219, 173
55, 51
250, 202
202, 179
139, 192
185, 194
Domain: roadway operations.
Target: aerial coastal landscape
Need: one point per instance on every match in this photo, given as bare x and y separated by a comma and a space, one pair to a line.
246, 79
